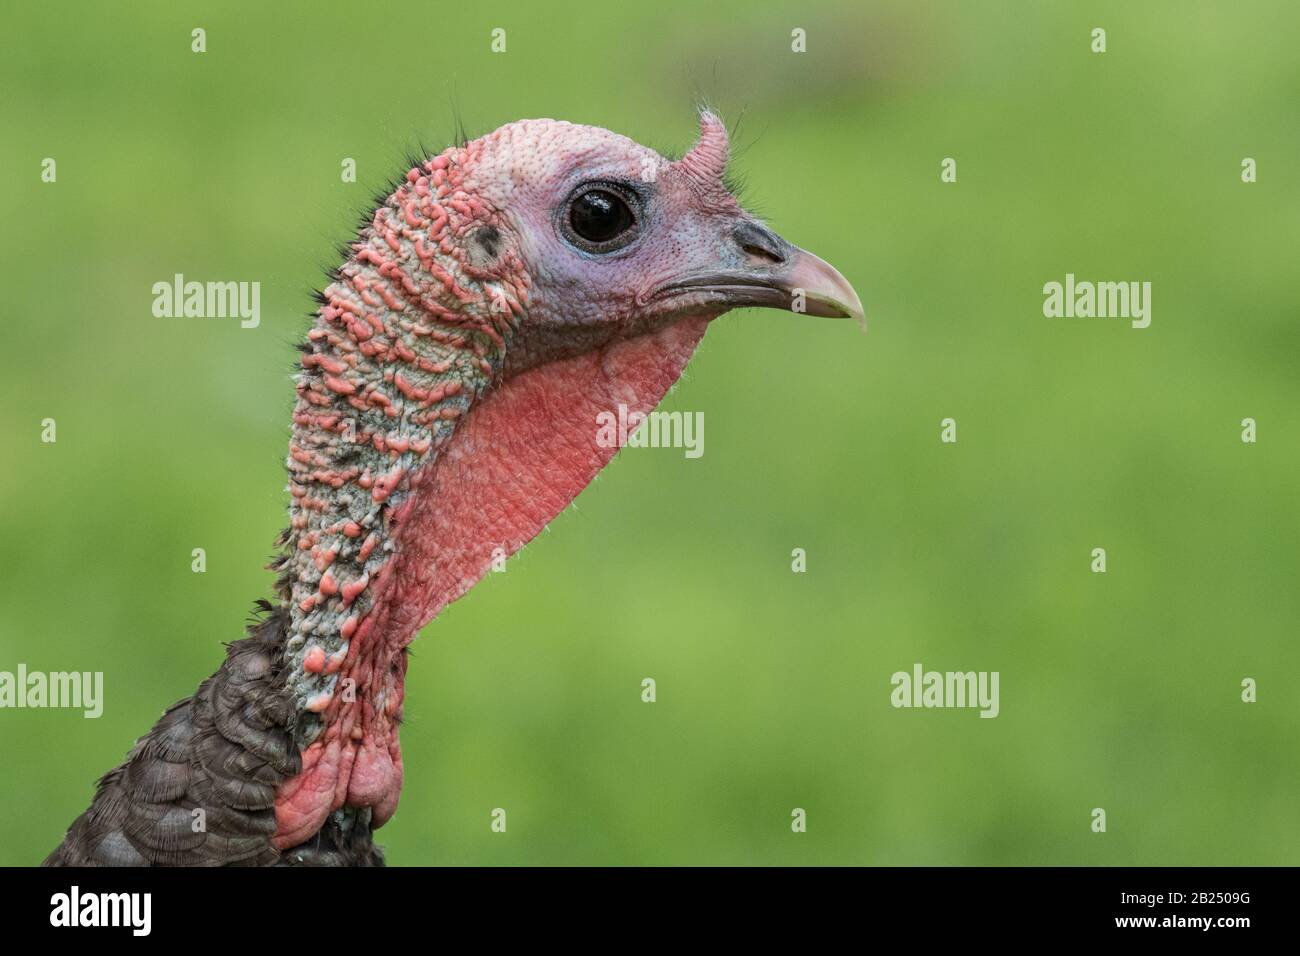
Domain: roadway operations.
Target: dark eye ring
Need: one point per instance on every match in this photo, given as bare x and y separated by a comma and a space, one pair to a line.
599, 218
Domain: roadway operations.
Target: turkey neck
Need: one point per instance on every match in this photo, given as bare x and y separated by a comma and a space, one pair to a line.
408, 335
390, 368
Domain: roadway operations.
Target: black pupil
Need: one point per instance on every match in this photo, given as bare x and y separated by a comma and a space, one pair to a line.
599, 216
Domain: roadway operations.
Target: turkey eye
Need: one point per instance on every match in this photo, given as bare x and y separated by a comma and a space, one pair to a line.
600, 220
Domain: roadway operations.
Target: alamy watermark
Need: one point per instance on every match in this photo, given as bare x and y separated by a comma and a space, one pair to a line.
1102, 300
630, 429
75, 690
922, 688
208, 300
75, 908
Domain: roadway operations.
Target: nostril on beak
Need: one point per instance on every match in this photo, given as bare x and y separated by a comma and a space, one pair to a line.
758, 242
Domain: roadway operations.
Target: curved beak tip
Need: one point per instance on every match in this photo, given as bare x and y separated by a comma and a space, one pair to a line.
850, 307
824, 290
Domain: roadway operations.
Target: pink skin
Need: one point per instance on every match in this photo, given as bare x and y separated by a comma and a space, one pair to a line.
583, 334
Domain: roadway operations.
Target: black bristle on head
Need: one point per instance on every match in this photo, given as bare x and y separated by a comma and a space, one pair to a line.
736, 183
458, 119
416, 156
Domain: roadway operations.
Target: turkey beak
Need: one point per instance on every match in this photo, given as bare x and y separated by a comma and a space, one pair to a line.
764, 271
826, 291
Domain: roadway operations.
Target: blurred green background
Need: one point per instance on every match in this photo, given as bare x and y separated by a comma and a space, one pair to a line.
1118, 690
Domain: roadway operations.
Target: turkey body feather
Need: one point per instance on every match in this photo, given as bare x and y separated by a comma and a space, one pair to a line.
199, 788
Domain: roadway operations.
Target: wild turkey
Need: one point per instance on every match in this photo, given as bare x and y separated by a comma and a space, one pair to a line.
506, 293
